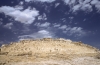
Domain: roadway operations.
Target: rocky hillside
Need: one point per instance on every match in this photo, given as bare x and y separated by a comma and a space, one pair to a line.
48, 51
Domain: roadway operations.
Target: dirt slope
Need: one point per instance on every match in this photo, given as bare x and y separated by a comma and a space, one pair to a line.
49, 51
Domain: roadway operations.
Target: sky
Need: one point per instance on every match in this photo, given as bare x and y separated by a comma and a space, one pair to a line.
77, 20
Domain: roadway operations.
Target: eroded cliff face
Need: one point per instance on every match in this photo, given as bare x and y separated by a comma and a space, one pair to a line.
47, 51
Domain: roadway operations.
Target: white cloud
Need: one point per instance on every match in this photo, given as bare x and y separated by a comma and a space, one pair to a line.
28, 0
8, 25
72, 1
71, 31
94, 2
26, 16
39, 34
71, 17
98, 6
86, 8
49, 1
67, 1
76, 8
56, 25
83, 5
42, 17
18, 7
63, 27
87, 1
43, 32
57, 4
75, 5
76, 31
81, 1
21, 3
46, 24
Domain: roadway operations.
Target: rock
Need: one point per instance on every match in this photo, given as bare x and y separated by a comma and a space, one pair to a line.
48, 51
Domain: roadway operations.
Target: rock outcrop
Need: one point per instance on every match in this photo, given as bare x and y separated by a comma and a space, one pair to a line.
48, 51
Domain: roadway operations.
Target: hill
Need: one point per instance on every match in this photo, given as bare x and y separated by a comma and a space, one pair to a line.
48, 51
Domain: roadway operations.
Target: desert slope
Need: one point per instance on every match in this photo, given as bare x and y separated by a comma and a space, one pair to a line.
48, 51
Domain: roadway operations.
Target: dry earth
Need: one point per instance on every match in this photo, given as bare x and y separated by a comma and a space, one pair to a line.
49, 51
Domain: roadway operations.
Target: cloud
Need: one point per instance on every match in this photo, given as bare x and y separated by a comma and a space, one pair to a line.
86, 1
28, 0
98, 8
26, 29
71, 17
39, 34
42, 17
21, 3
76, 8
63, 27
70, 31
69, 2
46, 24
1, 21
80, 1
83, 5
56, 25
57, 4
76, 30
18, 7
8, 25
74, 2
26, 16
86, 8
96, 3
49, 1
